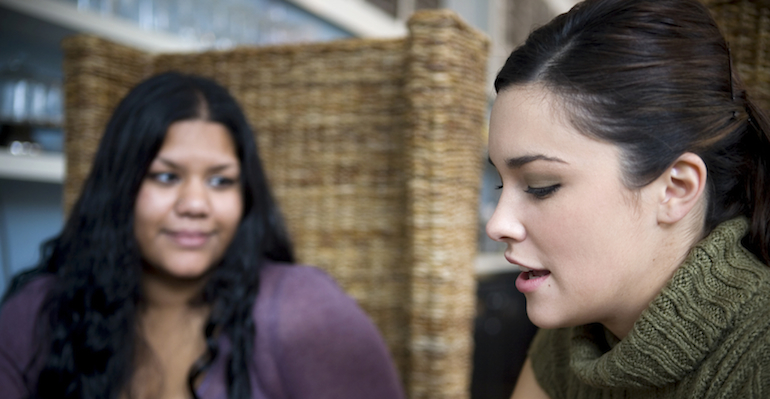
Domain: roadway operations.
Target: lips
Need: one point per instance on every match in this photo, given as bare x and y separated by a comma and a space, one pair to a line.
529, 279
532, 273
189, 239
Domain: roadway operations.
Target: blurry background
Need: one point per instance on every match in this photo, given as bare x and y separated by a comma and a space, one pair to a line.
31, 139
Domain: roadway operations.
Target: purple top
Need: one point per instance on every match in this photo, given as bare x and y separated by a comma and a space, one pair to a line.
312, 341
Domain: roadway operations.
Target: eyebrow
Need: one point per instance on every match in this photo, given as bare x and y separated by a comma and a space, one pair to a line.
518, 162
214, 169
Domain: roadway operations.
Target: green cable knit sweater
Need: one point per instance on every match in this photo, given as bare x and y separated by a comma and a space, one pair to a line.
706, 335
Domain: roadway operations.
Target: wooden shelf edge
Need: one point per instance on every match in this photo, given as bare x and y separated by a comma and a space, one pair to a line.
45, 167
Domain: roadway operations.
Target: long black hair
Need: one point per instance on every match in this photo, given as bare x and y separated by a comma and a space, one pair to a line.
655, 78
89, 317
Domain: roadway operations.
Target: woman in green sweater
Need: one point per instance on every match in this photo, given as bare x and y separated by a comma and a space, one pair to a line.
636, 201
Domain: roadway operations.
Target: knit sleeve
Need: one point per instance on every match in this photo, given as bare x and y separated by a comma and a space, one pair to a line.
549, 354
323, 344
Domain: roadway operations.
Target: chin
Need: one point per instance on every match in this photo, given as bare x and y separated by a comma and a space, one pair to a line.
544, 323
184, 272
189, 273
549, 318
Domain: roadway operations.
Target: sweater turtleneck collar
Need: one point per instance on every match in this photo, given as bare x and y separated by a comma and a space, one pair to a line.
683, 323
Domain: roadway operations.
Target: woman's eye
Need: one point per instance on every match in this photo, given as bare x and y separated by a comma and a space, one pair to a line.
164, 177
499, 186
542, 192
221, 181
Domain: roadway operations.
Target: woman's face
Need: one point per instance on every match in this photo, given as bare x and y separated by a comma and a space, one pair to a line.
190, 203
565, 214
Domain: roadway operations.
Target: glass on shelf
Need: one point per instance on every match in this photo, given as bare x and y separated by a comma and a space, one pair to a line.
55, 103
244, 22
103, 7
128, 9
16, 85
36, 102
166, 16
27, 97
24, 148
145, 14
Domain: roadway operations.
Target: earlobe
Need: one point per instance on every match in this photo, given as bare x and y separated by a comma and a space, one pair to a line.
684, 183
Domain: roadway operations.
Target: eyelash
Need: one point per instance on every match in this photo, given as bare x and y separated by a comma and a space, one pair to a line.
538, 192
542, 192
222, 181
168, 178
164, 177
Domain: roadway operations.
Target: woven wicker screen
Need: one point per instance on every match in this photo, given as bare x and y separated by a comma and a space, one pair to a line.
746, 26
374, 151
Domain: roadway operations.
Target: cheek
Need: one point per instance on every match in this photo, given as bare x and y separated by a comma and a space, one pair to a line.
151, 207
150, 204
570, 236
230, 211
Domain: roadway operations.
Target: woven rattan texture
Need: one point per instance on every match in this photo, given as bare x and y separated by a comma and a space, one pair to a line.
746, 25
97, 77
374, 151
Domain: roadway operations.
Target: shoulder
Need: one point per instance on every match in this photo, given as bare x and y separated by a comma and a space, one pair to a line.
740, 367
314, 341
279, 277
740, 363
21, 309
298, 291
296, 295
18, 335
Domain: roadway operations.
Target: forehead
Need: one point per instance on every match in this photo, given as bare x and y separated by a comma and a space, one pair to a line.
530, 121
198, 138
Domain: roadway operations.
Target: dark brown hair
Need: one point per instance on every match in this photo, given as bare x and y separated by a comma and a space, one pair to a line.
654, 77
90, 314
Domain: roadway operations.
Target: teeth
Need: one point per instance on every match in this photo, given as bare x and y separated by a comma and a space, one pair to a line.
532, 275
524, 269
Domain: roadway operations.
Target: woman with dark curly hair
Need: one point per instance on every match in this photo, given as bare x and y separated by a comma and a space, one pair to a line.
172, 276
636, 202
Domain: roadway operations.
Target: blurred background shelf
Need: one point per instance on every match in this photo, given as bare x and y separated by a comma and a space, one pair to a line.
67, 16
357, 17
45, 167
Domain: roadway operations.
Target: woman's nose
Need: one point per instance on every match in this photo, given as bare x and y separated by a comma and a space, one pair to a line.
193, 199
505, 225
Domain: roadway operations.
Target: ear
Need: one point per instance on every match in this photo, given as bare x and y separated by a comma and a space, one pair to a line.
683, 183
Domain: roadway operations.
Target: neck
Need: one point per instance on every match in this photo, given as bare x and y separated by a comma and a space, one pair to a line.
167, 293
671, 247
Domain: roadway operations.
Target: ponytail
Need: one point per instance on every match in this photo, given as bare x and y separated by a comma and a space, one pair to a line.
758, 184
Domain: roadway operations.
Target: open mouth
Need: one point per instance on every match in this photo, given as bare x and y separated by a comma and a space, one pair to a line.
533, 274
530, 280
530, 274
